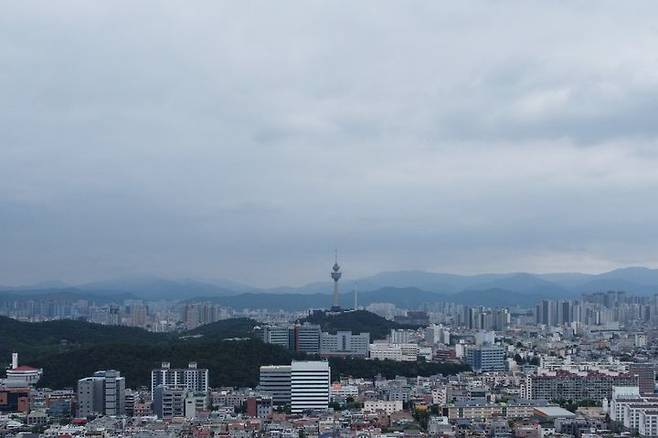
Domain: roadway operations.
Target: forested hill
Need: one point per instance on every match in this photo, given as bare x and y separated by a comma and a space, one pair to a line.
34, 339
225, 328
230, 362
358, 321
69, 350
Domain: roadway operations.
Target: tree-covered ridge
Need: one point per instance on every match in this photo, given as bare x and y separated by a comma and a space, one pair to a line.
34, 338
364, 368
231, 363
234, 363
358, 321
68, 350
225, 328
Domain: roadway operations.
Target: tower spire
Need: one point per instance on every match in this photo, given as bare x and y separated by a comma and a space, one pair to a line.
335, 275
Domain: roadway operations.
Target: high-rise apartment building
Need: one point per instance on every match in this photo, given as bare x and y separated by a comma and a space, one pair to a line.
481, 318
193, 378
310, 383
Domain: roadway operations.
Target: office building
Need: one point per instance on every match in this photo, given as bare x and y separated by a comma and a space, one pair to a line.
399, 352
102, 394
193, 378
382, 351
169, 400
277, 335
309, 386
306, 338
485, 358
275, 381
344, 343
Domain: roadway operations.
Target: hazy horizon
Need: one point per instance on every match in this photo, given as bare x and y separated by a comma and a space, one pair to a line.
345, 279
248, 140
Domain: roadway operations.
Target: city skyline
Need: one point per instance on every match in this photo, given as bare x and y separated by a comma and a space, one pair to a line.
328, 219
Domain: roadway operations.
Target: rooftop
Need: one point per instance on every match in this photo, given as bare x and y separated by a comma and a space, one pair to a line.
22, 368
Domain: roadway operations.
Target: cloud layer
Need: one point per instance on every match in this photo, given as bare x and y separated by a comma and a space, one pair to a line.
248, 139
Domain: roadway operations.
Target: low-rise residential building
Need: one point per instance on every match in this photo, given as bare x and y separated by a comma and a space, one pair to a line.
387, 406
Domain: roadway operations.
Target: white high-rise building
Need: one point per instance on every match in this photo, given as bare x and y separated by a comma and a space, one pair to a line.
310, 383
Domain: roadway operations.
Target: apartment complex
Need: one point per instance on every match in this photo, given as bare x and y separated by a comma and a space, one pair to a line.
638, 412
567, 385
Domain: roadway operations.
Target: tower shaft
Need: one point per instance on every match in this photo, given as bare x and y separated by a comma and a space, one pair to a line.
335, 275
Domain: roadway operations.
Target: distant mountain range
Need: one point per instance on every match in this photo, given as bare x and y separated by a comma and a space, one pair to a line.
408, 288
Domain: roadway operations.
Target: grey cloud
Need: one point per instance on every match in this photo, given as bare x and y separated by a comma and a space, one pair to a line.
248, 140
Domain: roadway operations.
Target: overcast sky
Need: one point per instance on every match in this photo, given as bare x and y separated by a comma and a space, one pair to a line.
247, 140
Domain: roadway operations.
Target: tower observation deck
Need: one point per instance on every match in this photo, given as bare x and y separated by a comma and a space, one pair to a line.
335, 275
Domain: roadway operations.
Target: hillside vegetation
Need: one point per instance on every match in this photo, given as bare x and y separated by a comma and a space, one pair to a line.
363, 368
225, 328
358, 321
69, 350
233, 363
35, 338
